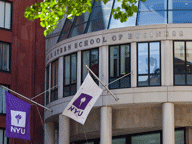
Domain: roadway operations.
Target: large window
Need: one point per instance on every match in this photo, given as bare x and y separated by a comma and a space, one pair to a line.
5, 15
3, 139
5, 57
54, 80
91, 59
182, 62
119, 64
149, 70
47, 85
141, 138
70, 75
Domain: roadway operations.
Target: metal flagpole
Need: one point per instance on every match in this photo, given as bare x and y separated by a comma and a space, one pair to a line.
102, 83
27, 98
43, 92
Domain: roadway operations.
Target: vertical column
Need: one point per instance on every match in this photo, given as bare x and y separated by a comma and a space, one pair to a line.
103, 64
106, 125
49, 133
167, 62
60, 77
168, 123
64, 129
188, 135
78, 69
134, 64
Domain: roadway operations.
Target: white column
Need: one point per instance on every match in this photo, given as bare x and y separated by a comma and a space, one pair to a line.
168, 123
106, 125
49, 133
103, 65
134, 64
167, 62
64, 129
60, 78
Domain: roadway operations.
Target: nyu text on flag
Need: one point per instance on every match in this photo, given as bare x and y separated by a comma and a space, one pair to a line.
17, 117
81, 104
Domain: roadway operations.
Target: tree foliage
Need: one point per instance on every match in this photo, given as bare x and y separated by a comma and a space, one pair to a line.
51, 11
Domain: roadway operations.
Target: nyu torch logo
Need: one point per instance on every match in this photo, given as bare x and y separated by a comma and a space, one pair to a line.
80, 104
18, 121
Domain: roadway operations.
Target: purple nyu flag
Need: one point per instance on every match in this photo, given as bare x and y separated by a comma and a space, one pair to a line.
17, 117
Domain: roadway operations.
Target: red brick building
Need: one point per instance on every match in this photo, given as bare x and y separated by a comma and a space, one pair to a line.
22, 54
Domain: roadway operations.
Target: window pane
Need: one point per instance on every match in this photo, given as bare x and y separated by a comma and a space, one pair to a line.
189, 56
152, 5
125, 61
114, 23
67, 70
85, 62
5, 138
143, 81
4, 103
155, 80
73, 89
179, 79
95, 61
143, 58
189, 79
179, 16
8, 16
179, 137
125, 82
179, 59
77, 30
114, 61
118, 141
154, 57
115, 84
97, 25
180, 4
147, 18
66, 91
83, 18
73, 68
1, 100
2, 14
1, 136
146, 139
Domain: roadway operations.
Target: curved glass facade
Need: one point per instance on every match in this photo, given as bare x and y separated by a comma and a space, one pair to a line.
150, 12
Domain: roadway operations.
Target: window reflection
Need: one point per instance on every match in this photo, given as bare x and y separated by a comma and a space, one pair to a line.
149, 72
182, 62
91, 59
70, 75
119, 57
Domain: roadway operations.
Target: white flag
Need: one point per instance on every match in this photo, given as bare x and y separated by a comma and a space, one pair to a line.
85, 98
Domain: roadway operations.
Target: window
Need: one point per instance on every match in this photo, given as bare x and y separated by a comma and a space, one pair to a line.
2, 101
119, 64
5, 57
5, 15
47, 85
54, 80
140, 138
91, 59
149, 71
3, 139
70, 75
182, 62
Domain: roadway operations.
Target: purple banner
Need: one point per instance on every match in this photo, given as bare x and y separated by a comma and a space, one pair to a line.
17, 117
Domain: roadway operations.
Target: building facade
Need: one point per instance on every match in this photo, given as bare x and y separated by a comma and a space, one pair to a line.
22, 54
154, 46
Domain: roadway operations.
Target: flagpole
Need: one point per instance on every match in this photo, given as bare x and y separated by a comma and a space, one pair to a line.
27, 98
44, 92
102, 83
